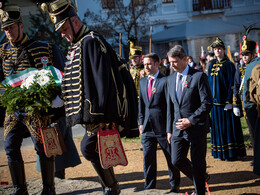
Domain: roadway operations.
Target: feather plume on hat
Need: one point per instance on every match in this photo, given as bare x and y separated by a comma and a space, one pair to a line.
248, 46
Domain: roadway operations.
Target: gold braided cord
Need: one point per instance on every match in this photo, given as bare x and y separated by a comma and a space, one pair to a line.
122, 108
31, 124
72, 113
67, 68
72, 96
70, 84
122, 66
42, 52
72, 90
9, 124
42, 47
90, 108
73, 72
217, 65
74, 101
73, 108
76, 60
218, 104
54, 7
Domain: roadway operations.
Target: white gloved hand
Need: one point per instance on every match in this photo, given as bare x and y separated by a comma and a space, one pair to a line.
236, 111
57, 102
228, 107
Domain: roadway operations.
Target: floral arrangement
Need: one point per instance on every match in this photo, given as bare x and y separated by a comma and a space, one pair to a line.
33, 95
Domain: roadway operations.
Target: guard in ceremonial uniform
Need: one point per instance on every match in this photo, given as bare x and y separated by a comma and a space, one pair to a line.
137, 70
251, 108
238, 109
18, 54
227, 141
96, 86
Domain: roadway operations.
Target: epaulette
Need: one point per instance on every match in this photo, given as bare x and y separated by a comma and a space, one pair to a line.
94, 35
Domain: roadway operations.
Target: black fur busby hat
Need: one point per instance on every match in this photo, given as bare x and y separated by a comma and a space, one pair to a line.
9, 14
59, 10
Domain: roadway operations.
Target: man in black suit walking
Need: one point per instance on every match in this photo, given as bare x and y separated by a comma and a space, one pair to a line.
152, 120
189, 102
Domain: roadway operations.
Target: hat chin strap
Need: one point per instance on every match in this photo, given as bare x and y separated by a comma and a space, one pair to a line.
72, 28
17, 39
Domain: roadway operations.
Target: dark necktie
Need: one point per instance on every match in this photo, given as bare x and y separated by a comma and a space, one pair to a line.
179, 88
150, 87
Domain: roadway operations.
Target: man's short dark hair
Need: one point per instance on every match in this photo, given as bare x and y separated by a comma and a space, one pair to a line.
177, 51
154, 56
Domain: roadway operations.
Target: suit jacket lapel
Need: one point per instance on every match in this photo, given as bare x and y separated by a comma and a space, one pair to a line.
146, 90
174, 86
186, 84
155, 86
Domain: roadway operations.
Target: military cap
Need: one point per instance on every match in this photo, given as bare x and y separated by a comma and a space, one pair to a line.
59, 11
10, 14
135, 50
248, 46
217, 43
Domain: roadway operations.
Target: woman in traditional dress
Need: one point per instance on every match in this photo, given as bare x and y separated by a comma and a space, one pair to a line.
227, 141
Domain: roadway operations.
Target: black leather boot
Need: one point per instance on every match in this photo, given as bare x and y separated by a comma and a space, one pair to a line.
107, 178
18, 178
60, 174
47, 170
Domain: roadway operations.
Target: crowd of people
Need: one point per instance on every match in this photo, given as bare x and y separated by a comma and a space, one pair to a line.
224, 79
172, 102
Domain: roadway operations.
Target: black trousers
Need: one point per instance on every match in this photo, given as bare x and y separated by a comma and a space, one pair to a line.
13, 142
89, 147
149, 144
196, 168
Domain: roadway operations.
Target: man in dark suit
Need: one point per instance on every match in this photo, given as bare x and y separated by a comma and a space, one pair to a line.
152, 120
189, 102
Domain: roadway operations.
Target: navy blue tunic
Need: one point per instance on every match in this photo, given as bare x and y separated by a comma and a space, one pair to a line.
226, 133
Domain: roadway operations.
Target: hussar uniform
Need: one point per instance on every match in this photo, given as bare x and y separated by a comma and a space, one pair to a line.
16, 57
94, 90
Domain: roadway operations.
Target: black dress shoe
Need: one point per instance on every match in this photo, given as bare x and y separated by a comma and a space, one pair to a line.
175, 189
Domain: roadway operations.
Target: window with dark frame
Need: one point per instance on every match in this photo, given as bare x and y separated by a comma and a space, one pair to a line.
139, 2
167, 1
201, 5
108, 4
